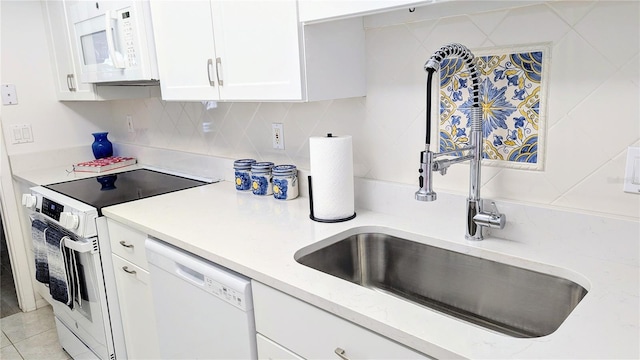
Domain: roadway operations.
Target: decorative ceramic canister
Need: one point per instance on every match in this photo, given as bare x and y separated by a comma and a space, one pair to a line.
261, 178
242, 169
285, 182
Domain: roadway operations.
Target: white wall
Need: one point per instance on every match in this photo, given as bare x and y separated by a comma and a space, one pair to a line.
592, 107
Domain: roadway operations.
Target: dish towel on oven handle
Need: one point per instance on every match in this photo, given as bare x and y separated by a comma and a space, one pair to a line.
38, 230
59, 284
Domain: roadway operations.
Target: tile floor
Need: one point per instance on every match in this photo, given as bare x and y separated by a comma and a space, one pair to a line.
30, 335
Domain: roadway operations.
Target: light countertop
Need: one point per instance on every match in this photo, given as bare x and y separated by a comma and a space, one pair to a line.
258, 237
57, 174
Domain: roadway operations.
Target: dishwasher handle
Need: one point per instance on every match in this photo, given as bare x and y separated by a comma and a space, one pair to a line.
221, 282
190, 275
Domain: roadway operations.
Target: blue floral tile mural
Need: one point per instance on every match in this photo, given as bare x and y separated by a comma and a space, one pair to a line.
512, 96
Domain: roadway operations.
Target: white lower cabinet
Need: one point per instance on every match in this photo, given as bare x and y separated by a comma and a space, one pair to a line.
134, 291
289, 328
267, 349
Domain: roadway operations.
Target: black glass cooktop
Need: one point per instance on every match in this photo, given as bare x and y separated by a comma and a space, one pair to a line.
122, 187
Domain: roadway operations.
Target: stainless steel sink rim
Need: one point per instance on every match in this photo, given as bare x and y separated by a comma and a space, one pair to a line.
482, 291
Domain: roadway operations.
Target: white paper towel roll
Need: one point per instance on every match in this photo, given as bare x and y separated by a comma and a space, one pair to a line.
331, 162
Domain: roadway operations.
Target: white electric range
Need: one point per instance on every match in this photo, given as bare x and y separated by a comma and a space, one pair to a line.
73, 260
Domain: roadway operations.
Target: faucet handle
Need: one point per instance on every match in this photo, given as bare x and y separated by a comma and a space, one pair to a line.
494, 219
494, 209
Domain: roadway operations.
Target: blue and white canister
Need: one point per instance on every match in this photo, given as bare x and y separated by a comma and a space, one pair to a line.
261, 178
242, 169
285, 182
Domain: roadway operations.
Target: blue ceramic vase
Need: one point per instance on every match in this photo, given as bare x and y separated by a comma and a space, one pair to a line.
101, 146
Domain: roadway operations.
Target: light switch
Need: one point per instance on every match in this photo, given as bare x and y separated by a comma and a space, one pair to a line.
17, 134
632, 171
26, 133
21, 134
635, 179
9, 94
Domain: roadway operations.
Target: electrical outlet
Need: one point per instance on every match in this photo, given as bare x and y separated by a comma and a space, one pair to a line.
130, 126
277, 135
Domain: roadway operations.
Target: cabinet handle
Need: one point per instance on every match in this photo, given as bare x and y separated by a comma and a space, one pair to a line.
218, 64
341, 353
209, 66
126, 269
126, 245
70, 82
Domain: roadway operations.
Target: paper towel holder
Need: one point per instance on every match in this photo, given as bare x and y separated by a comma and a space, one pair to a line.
311, 215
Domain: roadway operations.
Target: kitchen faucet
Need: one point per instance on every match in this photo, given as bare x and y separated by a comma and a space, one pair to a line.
476, 217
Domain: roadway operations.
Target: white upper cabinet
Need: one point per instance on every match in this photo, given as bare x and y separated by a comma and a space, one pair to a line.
185, 50
253, 51
68, 86
257, 44
314, 10
380, 13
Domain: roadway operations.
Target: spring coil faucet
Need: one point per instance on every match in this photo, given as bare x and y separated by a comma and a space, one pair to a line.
476, 217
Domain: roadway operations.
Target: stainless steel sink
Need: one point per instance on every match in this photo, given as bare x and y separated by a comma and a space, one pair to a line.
505, 298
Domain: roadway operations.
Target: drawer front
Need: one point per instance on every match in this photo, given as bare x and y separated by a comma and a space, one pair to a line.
128, 243
316, 334
268, 350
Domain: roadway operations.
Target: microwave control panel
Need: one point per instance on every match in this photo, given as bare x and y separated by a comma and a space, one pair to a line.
127, 31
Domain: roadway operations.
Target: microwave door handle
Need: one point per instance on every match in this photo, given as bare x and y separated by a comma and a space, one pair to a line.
117, 63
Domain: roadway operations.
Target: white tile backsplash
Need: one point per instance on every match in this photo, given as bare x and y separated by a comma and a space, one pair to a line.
572, 11
577, 150
529, 24
611, 112
458, 29
583, 70
606, 27
592, 107
602, 191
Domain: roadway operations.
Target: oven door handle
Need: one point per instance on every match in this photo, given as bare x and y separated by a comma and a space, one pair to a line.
81, 247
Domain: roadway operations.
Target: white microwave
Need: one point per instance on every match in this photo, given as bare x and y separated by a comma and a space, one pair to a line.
113, 41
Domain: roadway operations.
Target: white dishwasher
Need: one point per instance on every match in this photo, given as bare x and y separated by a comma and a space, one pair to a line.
203, 311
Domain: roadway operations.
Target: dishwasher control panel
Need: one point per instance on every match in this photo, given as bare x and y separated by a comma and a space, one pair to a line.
233, 297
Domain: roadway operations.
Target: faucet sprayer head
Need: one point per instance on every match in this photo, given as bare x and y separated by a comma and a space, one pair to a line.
431, 64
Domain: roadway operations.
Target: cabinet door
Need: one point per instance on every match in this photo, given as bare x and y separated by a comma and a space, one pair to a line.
313, 333
68, 86
136, 310
257, 43
183, 33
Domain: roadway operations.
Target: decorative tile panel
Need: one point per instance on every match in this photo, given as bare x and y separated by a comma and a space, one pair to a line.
512, 98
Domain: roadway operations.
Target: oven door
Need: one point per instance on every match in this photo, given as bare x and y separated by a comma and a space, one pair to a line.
88, 318
107, 41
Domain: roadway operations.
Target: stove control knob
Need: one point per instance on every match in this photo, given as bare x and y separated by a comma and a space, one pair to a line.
29, 201
69, 221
